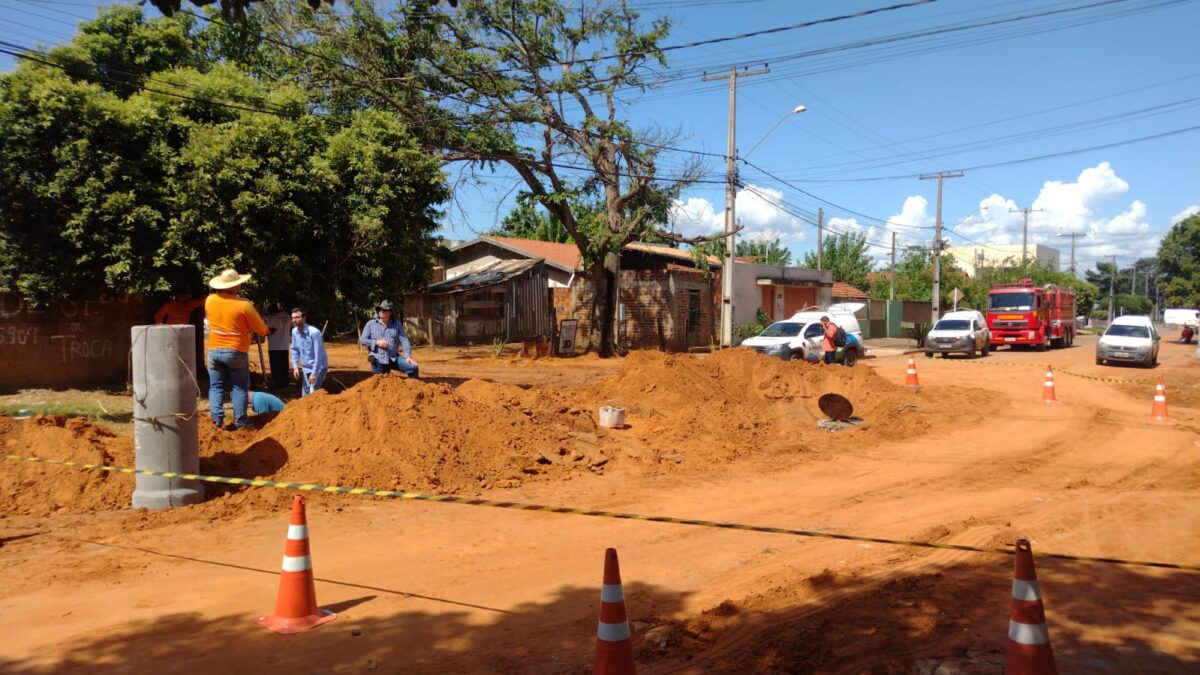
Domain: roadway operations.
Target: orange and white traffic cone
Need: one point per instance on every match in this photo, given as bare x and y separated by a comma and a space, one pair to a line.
1159, 412
910, 379
1029, 651
296, 605
614, 649
1048, 390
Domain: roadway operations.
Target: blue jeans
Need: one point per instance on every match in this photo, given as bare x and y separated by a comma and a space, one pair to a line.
831, 357
228, 367
305, 387
411, 370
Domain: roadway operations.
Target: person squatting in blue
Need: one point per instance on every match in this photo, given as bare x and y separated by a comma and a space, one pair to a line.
387, 346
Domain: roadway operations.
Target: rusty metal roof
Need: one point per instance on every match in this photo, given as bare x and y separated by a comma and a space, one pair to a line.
489, 275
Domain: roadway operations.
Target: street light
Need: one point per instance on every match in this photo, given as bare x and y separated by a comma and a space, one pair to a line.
796, 111
731, 220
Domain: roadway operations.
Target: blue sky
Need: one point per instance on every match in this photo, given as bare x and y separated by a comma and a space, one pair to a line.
1005, 92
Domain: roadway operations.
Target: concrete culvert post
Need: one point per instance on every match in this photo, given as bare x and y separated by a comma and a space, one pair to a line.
165, 436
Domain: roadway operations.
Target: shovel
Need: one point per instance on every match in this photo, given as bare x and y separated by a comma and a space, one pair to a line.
262, 363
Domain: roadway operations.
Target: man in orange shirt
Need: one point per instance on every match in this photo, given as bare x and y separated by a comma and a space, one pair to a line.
828, 345
231, 320
178, 310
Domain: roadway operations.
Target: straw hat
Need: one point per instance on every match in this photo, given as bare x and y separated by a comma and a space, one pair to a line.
228, 279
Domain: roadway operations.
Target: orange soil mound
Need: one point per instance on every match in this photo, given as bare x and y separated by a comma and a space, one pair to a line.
396, 433
38, 489
736, 401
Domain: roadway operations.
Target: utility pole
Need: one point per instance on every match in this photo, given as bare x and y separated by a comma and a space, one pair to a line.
892, 273
1111, 285
730, 199
820, 236
1073, 236
1025, 231
937, 240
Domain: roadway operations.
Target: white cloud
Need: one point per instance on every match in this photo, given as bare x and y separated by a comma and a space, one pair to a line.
761, 211
1068, 207
1186, 213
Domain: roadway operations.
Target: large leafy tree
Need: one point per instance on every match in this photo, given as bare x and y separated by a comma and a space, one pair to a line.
535, 85
914, 278
1178, 264
846, 257
144, 169
764, 251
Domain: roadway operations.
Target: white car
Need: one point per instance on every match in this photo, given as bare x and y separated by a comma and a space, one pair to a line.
800, 336
1131, 339
963, 331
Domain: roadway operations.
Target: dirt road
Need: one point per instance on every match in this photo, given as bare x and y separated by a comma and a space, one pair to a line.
423, 587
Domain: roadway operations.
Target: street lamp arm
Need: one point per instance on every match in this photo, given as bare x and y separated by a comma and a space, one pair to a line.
795, 111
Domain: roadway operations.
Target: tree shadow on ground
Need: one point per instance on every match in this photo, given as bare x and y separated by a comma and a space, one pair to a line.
556, 636
1103, 619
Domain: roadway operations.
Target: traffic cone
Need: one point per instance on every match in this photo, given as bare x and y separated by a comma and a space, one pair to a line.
614, 649
911, 379
1029, 651
296, 605
1159, 411
1048, 390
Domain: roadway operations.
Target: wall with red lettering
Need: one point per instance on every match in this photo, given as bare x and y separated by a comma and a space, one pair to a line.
66, 343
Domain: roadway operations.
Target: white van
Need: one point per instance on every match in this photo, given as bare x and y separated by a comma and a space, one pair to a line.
1182, 317
964, 331
800, 336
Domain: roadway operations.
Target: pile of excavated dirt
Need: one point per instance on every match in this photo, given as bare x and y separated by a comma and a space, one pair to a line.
27, 488
738, 402
396, 433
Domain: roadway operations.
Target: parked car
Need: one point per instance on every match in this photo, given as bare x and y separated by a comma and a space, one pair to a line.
1130, 339
799, 337
964, 331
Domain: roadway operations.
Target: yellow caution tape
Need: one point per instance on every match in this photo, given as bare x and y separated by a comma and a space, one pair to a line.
524, 506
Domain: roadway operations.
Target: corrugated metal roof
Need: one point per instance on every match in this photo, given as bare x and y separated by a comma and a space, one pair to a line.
495, 273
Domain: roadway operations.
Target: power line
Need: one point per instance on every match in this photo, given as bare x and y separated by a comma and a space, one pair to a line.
1024, 160
758, 33
829, 203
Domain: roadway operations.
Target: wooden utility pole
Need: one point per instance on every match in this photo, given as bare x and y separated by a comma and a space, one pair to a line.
1073, 236
1025, 231
730, 199
937, 239
820, 236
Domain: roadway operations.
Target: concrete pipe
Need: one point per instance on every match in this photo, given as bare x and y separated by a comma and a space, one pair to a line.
164, 415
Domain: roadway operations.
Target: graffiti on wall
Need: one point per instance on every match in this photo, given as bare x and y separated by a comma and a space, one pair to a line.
66, 332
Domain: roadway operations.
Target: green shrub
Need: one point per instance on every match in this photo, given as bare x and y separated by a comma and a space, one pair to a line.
919, 330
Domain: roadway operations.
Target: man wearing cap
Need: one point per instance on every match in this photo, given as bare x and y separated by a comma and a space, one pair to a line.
387, 346
231, 320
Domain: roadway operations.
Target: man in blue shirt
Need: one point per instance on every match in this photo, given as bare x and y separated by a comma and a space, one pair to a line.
310, 363
387, 346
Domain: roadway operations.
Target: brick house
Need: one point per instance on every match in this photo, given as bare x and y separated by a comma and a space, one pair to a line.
667, 301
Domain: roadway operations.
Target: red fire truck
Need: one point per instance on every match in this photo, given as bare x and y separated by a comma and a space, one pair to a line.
1024, 314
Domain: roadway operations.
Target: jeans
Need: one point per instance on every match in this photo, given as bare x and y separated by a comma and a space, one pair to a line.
411, 370
228, 367
831, 357
306, 388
